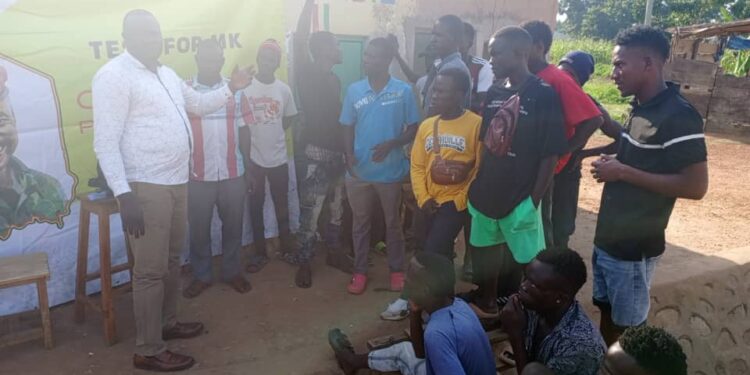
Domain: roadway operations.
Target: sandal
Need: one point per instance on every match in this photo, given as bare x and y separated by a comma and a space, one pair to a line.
256, 263
195, 288
240, 284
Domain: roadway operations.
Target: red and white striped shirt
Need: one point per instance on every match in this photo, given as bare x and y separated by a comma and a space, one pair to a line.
216, 151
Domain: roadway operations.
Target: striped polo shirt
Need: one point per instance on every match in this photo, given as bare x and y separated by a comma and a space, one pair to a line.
216, 151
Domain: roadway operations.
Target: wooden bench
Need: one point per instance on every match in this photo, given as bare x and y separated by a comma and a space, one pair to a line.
22, 270
103, 209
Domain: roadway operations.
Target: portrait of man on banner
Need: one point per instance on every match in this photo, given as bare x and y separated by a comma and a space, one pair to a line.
27, 195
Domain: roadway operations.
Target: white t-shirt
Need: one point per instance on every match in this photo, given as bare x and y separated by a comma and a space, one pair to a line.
270, 103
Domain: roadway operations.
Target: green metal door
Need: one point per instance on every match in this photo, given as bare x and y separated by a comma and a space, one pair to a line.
350, 70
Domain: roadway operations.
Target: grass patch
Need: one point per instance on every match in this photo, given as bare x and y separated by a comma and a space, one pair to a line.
605, 91
600, 49
600, 86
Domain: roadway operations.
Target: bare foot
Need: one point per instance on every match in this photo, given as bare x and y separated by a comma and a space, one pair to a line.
303, 278
240, 284
343, 350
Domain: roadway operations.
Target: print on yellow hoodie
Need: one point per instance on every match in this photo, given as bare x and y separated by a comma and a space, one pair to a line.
459, 141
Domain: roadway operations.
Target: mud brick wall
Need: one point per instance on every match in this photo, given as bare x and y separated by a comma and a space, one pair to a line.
710, 316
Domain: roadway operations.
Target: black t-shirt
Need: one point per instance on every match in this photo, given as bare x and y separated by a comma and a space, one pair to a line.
320, 99
663, 136
504, 182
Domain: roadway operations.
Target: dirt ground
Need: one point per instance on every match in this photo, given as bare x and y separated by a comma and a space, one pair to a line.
280, 329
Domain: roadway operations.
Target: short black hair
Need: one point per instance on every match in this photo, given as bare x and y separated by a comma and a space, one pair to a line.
540, 33
207, 43
439, 272
470, 33
515, 34
318, 40
566, 263
655, 350
134, 13
385, 45
454, 24
647, 37
461, 80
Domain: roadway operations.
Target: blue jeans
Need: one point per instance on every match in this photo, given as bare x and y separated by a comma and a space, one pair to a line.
319, 180
398, 357
623, 286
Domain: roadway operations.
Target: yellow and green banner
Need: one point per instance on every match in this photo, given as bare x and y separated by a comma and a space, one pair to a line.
49, 53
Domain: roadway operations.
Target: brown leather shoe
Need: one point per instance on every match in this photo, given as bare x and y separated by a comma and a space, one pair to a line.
165, 361
183, 331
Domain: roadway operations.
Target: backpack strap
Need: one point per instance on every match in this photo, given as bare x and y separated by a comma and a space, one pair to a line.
435, 137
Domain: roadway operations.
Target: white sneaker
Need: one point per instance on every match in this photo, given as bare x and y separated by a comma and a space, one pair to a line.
398, 310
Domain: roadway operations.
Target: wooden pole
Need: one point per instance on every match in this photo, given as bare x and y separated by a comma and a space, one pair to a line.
649, 12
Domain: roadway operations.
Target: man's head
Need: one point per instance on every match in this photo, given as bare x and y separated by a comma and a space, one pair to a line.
447, 35
378, 56
509, 51
142, 35
638, 59
209, 57
430, 280
470, 35
645, 350
449, 91
541, 34
324, 48
269, 57
580, 65
552, 280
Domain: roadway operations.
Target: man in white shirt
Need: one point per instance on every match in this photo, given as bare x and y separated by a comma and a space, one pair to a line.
273, 111
480, 69
218, 178
143, 142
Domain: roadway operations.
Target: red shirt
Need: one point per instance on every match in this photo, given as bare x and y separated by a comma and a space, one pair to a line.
577, 106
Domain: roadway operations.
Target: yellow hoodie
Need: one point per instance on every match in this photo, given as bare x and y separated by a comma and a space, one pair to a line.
459, 141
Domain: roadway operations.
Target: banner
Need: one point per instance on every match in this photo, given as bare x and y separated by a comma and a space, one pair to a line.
49, 53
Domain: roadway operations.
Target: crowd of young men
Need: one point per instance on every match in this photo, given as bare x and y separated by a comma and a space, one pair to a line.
497, 152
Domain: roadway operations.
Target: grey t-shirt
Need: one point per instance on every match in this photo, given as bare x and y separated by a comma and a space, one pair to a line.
452, 61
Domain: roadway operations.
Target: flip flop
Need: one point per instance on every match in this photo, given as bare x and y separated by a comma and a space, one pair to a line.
195, 288
256, 263
338, 341
481, 314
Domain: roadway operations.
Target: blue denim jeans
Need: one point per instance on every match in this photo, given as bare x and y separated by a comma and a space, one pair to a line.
623, 286
399, 357
319, 180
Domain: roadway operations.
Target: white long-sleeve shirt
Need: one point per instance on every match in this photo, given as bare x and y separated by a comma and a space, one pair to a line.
141, 130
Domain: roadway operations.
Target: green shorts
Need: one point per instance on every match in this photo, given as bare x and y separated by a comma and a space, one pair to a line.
522, 230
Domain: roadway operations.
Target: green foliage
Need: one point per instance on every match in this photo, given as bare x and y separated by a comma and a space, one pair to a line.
600, 86
605, 91
600, 49
603, 19
736, 63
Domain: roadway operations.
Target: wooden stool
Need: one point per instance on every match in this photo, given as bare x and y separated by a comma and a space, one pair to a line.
22, 270
103, 208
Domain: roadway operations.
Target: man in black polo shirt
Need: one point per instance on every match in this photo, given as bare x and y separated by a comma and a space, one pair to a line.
506, 226
661, 157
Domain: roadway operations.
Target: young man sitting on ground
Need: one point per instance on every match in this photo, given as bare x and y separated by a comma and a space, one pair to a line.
546, 323
453, 342
642, 350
